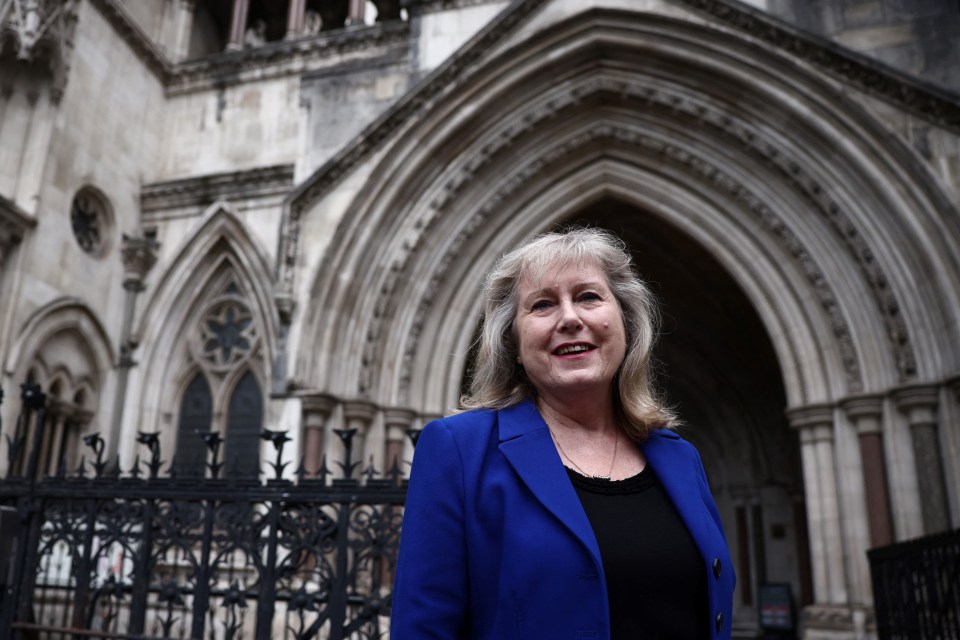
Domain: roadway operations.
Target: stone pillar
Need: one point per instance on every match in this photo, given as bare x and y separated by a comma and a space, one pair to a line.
54, 428
315, 410
865, 413
35, 152
397, 421
182, 29
919, 404
355, 15
815, 424
238, 24
138, 256
295, 16
358, 415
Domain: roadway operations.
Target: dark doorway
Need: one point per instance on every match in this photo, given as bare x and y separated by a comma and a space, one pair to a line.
718, 367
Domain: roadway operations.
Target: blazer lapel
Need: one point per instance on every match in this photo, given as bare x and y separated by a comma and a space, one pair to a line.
678, 475
525, 442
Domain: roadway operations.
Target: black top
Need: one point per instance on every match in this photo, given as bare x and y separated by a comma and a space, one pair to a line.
656, 579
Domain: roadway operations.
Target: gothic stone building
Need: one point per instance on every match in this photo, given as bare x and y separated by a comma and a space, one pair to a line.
220, 214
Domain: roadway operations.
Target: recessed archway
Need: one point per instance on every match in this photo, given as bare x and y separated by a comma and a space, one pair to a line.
759, 182
718, 367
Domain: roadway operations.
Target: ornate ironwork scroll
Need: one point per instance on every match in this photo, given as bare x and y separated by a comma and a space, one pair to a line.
142, 553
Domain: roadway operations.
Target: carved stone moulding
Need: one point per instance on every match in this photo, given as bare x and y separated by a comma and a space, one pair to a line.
189, 196
611, 135
290, 57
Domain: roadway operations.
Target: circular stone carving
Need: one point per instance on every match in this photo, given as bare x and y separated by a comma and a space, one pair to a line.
91, 221
226, 335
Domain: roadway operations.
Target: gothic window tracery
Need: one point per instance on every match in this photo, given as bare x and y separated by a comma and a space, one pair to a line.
68, 415
224, 394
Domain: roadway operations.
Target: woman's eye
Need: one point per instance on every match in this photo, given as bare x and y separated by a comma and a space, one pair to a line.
539, 305
589, 296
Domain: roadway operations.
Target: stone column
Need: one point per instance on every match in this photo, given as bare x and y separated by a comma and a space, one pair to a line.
315, 410
183, 27
815, 424
865, 412
35, 151
53, 436
396, 421
138, 256
355, 16
358, 415
295, 15
919, 404
238, 24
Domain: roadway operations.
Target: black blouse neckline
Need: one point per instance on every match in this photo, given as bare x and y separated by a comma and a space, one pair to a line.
634, 484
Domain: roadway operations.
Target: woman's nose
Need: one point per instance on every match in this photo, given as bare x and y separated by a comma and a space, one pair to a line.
569, 316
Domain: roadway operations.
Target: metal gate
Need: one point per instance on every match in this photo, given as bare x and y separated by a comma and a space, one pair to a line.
100, 553
916, 588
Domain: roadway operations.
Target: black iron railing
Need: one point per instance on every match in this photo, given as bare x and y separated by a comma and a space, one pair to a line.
916, 588
100, 553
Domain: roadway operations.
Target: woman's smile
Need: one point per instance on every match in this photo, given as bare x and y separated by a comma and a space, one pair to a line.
570, 330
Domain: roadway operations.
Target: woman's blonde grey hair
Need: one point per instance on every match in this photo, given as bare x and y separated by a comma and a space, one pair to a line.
498, 379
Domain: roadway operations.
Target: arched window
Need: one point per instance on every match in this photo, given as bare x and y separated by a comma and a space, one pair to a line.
244, 419
224, 393
196, 416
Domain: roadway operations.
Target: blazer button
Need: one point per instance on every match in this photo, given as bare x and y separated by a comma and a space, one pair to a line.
719, 622
716, 568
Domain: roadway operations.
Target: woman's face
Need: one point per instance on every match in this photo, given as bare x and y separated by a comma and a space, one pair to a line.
570, 330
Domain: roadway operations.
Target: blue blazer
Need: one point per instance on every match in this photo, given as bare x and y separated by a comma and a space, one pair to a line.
496, 545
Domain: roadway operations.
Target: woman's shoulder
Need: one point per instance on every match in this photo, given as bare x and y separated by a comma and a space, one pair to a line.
668, 437
465, 422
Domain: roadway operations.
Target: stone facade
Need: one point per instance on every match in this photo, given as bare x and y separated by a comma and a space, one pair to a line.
214, 219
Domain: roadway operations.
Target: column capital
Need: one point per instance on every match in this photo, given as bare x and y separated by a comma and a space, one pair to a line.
316, 408
397, 420
865, 412
862, 406
138, 256
811, 416
918, 402
363, 410
399, 416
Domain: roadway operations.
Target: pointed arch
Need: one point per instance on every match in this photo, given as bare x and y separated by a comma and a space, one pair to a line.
221, 260
195, 416
244, 422
63, 314
64, 348
812, 206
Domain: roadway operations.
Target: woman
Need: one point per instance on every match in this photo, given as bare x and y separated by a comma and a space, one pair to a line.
561, 505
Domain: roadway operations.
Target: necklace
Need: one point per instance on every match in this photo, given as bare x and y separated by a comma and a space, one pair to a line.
616, 444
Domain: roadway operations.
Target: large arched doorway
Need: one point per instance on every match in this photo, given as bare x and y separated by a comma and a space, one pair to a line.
721, 158
718, 367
